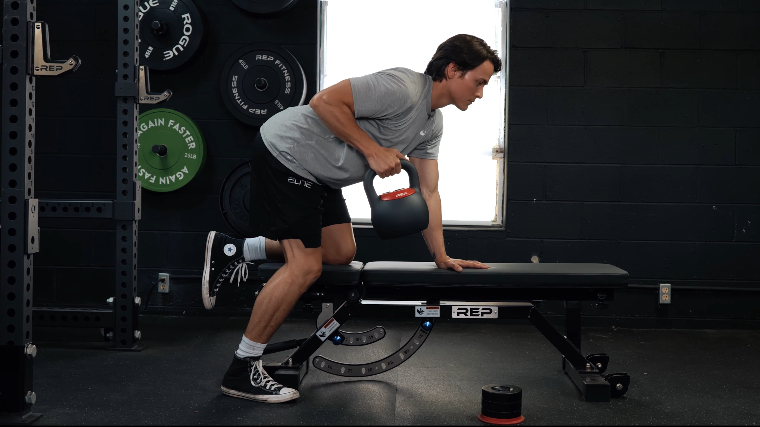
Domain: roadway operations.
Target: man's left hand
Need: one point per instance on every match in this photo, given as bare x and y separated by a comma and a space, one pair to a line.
458, 264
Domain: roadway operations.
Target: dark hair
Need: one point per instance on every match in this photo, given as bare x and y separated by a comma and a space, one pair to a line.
464, 50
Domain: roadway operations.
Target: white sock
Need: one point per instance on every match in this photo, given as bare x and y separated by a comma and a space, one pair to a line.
248, 348
255, 249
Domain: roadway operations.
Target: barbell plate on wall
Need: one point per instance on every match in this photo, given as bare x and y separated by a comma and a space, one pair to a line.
260, 80
265, 7
171, 150
170, 33
235, 197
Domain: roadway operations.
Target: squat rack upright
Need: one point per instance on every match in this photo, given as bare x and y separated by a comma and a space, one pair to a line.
25, 55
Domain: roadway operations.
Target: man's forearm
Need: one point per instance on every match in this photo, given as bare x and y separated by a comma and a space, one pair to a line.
433, 235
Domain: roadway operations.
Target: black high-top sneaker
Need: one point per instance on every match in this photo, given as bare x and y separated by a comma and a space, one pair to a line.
224, 260
247, 379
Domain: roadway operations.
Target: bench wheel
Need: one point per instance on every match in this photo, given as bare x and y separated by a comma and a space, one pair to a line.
618, 384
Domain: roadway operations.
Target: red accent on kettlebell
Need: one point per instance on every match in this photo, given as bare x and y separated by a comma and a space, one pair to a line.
398, 194
399, 216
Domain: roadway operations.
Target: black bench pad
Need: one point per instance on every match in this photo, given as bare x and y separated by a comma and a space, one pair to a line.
501, 275
331, 274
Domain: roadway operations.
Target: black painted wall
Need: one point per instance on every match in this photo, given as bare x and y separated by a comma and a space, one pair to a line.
76, 148
634, 140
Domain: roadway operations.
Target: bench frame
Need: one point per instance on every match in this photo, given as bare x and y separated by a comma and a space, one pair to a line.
585, 371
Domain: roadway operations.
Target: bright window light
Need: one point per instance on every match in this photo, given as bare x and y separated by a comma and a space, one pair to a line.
363, 37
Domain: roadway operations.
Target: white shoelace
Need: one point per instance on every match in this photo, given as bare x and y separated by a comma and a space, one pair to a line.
242, 272
266, 381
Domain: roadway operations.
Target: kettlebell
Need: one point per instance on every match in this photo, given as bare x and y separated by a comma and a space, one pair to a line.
397, 213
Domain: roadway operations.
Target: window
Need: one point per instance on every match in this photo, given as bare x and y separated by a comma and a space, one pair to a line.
359, 37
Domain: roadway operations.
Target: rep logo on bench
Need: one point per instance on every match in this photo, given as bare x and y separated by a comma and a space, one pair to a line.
475, 312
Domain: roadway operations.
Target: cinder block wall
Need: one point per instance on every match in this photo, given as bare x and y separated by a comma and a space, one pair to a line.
633, 140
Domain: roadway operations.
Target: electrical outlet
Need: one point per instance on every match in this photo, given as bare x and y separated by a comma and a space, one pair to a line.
666, 294
163, 283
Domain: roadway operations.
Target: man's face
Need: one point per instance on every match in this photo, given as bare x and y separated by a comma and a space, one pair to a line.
466, 89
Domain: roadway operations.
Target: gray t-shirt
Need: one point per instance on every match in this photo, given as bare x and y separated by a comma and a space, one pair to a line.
392, 106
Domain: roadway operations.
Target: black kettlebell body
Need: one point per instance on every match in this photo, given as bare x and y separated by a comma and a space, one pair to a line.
398, 213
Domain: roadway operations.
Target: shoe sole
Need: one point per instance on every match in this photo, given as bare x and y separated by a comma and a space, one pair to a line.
208, 300
261, 398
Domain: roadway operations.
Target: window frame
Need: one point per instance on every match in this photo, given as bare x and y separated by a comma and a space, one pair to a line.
499, 152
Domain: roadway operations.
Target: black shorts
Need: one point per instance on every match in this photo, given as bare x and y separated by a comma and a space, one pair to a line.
285, 205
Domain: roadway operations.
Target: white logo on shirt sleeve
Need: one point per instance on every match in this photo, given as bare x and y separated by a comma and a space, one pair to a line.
422, 132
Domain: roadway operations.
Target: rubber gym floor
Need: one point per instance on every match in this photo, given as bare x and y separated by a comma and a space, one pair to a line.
678, 377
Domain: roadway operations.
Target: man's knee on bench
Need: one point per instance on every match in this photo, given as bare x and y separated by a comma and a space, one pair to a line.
304, 273
342, 255
302, 266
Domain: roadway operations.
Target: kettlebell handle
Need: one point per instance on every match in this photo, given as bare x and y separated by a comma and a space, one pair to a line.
369, 188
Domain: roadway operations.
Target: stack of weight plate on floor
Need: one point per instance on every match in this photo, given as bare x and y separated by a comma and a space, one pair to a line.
501, 404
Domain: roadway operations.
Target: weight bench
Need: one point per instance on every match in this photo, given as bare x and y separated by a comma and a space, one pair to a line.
516, 287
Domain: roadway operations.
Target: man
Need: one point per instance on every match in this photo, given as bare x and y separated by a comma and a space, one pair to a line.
301, 159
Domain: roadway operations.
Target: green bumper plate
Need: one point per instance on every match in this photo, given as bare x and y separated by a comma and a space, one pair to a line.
170, 150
